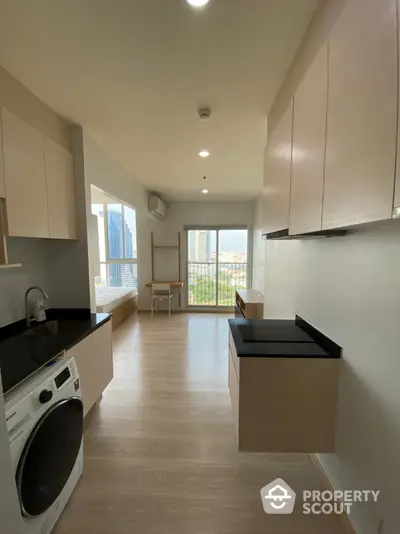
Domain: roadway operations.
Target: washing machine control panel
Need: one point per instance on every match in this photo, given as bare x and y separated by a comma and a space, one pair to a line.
61, 378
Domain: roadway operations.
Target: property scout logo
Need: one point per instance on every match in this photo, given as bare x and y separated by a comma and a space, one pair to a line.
279, 498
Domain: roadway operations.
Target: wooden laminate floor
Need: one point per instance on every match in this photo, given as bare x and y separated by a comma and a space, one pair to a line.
160, 451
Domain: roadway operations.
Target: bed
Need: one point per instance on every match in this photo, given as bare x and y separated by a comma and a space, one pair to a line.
120, 301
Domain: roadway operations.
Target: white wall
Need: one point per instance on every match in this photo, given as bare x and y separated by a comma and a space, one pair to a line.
349, 288
14, 282
258, 248
68, 261
110, 176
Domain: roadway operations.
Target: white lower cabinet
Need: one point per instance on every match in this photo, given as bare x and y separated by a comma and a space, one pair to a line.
93, 356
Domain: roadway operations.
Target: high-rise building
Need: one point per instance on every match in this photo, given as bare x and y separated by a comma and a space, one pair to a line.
120, 274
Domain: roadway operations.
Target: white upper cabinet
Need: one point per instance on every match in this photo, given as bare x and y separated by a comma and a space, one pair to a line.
277, 169
25, 179
309, 135
2, 184
60, 191
362, 114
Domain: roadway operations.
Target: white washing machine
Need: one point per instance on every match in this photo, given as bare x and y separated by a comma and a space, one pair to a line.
45, 427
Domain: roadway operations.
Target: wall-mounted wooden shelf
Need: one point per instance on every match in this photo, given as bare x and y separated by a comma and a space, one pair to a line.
10, 265
176, 247
165, 246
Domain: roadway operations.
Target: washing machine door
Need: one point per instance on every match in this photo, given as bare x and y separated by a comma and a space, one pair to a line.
49, 456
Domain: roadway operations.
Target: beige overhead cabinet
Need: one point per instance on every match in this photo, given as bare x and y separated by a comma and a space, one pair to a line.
59, 165
25, 178
362, 114
277, 170
39, 182
309, 135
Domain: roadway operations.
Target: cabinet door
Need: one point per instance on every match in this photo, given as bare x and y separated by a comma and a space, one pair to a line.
102, 343
85, 359
93, 356
60, 191
24, 178
2, 184
277, 171
362, 114
309, 139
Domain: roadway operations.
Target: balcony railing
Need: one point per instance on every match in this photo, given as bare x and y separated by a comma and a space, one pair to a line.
211, 284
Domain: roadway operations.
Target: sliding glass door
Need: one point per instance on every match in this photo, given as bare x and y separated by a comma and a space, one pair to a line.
217, 265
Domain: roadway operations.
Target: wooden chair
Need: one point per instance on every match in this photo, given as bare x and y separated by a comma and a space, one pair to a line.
161, 292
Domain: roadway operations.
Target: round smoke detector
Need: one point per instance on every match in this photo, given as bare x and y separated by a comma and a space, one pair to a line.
204, 113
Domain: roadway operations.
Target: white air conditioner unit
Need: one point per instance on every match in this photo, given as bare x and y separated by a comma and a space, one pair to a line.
157, 206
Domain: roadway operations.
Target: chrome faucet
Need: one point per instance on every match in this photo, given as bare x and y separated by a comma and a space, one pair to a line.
27, 314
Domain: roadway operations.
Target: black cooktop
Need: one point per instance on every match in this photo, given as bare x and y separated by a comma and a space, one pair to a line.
274, 333
280, 338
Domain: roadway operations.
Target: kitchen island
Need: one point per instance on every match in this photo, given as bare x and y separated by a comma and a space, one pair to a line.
283, 382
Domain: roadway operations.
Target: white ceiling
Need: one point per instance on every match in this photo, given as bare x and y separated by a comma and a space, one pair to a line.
134, 72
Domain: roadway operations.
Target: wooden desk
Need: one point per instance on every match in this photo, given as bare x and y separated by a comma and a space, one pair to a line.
177, 284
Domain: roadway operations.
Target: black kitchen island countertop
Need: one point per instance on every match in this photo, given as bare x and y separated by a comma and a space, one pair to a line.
280, 338
24, 350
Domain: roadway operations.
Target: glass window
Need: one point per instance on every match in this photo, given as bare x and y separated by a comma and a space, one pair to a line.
117, 245
202, 246
217, 266
98, 209
130, 233
115, 232
122, 275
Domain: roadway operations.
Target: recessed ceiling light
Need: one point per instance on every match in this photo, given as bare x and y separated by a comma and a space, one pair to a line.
197, 3
204, 153
205, 191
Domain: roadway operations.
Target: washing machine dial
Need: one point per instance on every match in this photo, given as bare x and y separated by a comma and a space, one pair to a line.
45, 396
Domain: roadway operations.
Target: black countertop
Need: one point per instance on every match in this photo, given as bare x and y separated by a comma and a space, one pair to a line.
281, 339
23, 351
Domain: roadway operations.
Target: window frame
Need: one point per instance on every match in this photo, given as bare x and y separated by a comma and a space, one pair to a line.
248, 264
